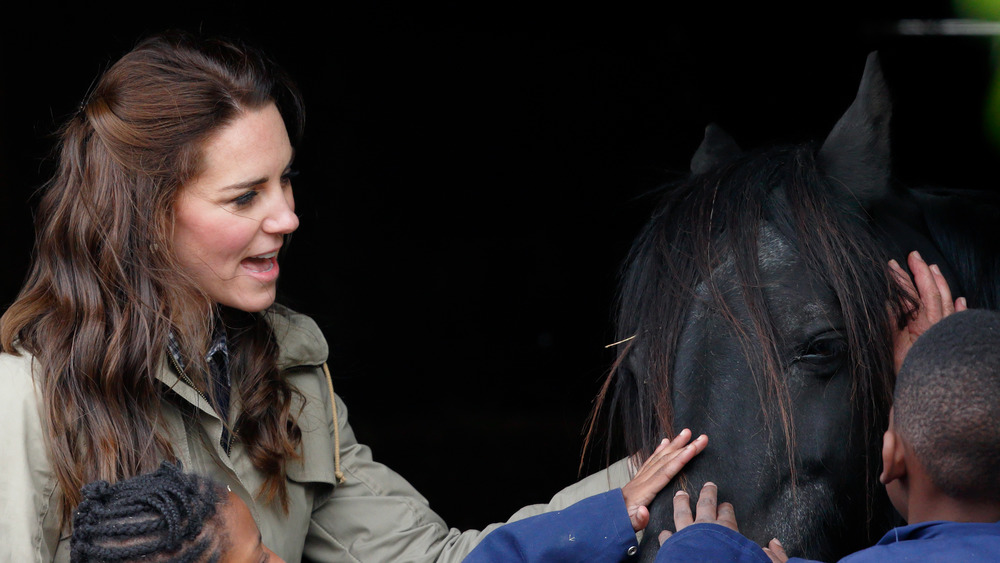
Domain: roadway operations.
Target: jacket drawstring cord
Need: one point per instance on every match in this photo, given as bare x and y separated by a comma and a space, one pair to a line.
336, 428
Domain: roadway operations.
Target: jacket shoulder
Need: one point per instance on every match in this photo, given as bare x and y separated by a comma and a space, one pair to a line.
19, 390
29, 530
300, 340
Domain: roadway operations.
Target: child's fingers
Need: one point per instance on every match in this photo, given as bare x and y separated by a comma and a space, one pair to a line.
664, 466
668, 446
666, 459
903, 278
669, 466
961, 304
665, 448
930, 296
772, 556
639, 518
664, 535
682, 510
727, 516
947, 305
707, 500
776, 551
657, 471
662, 449
681, 439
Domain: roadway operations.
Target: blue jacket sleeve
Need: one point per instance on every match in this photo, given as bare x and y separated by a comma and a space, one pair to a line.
710, 543
595, 529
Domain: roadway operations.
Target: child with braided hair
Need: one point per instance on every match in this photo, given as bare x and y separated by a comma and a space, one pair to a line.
165, 516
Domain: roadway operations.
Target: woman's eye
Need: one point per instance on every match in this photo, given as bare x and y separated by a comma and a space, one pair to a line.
245, 199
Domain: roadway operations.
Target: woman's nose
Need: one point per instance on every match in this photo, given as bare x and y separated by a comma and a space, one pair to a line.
281, 218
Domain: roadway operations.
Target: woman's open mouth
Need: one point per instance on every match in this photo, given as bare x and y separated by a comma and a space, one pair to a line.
262, 263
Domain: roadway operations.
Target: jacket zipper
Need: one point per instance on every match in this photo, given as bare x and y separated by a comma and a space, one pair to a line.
186, 379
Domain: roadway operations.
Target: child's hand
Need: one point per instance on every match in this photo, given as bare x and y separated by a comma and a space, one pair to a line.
667, 460
933, 295
775, 551
710, 512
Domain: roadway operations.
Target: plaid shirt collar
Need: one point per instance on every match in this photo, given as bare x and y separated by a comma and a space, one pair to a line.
219, 346
217, 359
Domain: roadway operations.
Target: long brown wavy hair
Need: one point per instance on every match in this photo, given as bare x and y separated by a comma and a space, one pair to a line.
105, 290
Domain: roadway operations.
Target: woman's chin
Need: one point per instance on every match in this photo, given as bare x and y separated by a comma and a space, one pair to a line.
250, 302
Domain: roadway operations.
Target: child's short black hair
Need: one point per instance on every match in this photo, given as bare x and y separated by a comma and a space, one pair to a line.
159, 517
947, 403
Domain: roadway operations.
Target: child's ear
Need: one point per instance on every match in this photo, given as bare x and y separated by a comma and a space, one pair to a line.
893, 455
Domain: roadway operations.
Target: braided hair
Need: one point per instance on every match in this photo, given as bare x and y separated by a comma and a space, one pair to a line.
166, 516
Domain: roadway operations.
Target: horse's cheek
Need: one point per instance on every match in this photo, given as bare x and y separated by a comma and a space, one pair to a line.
824, 426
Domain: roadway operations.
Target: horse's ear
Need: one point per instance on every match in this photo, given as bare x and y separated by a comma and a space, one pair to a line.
717, 147
855, 154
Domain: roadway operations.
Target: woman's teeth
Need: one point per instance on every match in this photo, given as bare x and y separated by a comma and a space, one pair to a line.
262, 263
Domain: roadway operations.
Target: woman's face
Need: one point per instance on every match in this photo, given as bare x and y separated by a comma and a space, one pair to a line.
230, 221
244, 545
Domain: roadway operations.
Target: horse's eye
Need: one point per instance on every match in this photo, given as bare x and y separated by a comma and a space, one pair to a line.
823, 350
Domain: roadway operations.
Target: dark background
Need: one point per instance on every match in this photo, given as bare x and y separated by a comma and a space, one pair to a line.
473, 174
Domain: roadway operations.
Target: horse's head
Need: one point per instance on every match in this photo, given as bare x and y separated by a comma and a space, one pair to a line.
757, 307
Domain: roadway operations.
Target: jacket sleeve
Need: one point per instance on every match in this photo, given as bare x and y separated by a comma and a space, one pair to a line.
710, 542
596, 529
29, 525
375, 515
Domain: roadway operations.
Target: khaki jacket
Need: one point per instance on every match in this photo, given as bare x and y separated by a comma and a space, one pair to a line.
373, 516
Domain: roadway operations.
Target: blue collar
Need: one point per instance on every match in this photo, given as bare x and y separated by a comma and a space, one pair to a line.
924, 530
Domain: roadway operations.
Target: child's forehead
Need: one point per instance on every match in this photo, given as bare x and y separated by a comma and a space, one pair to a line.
244, 538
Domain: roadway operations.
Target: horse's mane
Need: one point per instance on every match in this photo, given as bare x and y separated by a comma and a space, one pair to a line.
716, 216
965, 225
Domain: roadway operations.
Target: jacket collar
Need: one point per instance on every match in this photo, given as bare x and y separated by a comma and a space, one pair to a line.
300, 343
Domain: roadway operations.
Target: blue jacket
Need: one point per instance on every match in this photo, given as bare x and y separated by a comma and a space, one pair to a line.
707, 543
595, 529
926, 542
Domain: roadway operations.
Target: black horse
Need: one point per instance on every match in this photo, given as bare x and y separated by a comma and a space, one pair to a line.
757, 306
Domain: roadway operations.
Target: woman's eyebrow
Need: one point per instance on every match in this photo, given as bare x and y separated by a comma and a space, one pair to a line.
241, 186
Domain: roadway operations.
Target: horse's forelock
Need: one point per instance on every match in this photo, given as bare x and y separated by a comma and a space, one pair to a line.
836, 239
